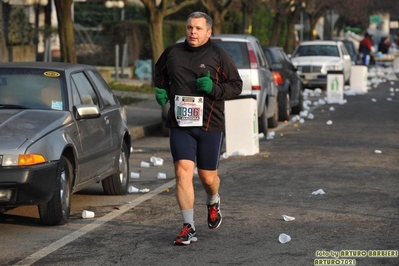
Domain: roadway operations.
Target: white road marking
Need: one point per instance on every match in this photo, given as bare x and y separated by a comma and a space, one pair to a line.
90, 227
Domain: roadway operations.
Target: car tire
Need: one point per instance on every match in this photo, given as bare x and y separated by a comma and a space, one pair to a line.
262, 121
298, 108
273, 121
117, 184
284, 108
57, 210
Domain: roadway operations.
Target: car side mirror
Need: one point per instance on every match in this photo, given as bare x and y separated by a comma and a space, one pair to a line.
86, 111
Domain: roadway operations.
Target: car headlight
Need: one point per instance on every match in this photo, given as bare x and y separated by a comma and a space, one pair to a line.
333, 68
21, 159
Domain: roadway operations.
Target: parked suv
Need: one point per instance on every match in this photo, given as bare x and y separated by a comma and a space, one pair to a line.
288, 82
252, 65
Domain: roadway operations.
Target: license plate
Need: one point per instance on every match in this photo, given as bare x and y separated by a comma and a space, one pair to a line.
310, 76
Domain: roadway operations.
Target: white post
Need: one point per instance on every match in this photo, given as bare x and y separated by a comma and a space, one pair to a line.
116, 61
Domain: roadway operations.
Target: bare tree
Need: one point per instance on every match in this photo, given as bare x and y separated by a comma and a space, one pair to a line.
353, 11
248, 8
315, 10
65, 30
218, 9
281, 10
155, 16
3, 46
356, 11
295, 10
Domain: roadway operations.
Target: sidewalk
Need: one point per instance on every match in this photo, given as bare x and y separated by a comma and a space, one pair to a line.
143, 115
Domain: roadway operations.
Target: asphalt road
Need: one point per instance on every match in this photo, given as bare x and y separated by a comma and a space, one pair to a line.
354, 159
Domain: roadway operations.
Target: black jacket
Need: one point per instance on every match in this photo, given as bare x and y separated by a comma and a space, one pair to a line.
177, 71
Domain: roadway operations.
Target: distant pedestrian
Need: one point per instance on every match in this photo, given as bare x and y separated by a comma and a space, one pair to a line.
384, 45
197, 76
366, 48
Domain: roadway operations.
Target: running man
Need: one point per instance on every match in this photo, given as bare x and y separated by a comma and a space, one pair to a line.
196, 76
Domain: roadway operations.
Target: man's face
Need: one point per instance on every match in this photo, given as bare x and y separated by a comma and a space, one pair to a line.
197, 33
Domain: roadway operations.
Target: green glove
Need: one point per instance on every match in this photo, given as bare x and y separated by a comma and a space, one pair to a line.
161, 96
205, 83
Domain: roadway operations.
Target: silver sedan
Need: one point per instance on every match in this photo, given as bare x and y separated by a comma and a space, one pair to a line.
61, 130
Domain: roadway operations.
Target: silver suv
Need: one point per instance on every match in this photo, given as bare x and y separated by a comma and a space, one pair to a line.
254, 70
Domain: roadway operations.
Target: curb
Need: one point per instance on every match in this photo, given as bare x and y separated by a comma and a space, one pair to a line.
138, 132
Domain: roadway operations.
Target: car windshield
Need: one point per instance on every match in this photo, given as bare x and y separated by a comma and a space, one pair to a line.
269, 56
316, 50
30, 88
237, 50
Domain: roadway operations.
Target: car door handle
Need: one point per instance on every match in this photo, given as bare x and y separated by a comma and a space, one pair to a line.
106, 120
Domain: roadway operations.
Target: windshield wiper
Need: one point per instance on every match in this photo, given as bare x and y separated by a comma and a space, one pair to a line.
12, 106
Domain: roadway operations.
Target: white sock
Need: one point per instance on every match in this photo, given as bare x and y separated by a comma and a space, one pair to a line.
188, 217
212, 199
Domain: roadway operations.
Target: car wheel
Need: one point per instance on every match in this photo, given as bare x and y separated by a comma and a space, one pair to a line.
57, 210
262, 121
284, 108
117, 184
297, 109
273, 121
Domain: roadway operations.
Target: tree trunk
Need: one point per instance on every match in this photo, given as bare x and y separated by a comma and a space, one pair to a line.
248, 8
291, 40
156, 12
65, 30
312, 23
155, 25
217, 23
217, 12
277, 24
3, 46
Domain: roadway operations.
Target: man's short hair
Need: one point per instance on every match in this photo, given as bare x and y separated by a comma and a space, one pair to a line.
199, 14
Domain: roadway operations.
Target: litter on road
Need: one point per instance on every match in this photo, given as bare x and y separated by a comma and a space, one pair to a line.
288, 218
318, 192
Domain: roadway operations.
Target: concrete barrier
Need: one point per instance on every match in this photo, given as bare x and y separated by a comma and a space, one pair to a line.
358, 79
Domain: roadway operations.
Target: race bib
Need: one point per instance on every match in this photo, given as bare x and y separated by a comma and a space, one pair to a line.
189, 110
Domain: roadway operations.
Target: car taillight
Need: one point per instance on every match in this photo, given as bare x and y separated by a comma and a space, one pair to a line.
277, 78
256, 88
252, 57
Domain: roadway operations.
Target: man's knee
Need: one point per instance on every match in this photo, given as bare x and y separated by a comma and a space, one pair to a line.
208, 177
184, 168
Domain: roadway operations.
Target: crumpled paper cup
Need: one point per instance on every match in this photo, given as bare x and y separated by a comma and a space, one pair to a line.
318, 192
87, 214
284, 238
288, 218
133, 189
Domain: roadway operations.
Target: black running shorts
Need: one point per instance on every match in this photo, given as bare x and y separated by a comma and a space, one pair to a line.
193, 143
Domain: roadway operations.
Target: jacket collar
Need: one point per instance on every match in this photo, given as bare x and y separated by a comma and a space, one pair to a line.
199, 48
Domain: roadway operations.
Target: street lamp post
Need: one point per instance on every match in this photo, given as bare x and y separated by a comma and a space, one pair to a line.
116, 4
